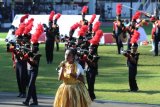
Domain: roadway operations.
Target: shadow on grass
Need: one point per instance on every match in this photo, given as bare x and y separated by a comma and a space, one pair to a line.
108, 90
127, 91
149, 92
148, 64
12, 104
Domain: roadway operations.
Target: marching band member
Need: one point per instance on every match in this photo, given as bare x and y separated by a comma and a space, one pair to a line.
153, 20
21, 62
52, 32
50, 39
132, 62
155, 30
118, 28
33, 58
92, 63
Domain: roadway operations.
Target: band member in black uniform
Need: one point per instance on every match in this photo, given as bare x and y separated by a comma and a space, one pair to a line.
155, 30
118, 28
33, 65
92, 63
21, 69
22, 37
92, 71
50, 39
156, 38
51, 33
132, 62
21, 62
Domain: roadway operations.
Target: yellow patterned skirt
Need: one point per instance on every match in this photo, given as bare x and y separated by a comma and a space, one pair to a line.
72, 95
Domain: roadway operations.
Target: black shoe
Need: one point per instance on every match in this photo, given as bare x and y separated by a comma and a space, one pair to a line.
26, 103
19, 95
93, 98
132, 90
34, 103
155, 54
23, 96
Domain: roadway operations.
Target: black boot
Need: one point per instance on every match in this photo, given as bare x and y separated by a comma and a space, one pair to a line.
26, 103
34, 103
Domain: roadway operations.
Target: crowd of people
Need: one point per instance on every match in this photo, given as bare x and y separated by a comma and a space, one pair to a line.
81, 55
25, 55
128, 31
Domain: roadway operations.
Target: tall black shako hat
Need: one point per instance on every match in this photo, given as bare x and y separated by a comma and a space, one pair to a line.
20, 30
83, 12
73, 28
81, 34
35, 37
51, 18
19, 33
28, 28
58, 15
135, 17
94, 42
91, 21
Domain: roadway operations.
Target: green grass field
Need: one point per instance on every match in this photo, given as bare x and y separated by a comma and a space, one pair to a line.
111, 83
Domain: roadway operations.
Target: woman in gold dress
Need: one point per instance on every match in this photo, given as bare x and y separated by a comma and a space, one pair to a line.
72, 92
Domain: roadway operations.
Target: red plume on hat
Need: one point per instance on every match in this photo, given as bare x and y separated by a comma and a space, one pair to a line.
83, 30
20, 30
92, 19
30, 21
28, 28
96, 26
118, 9
135, 37
23, 18
136, 15
75, 26
37, 34
51, 15
58, 15
95, 40
84, 9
